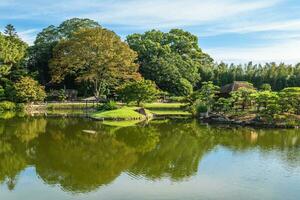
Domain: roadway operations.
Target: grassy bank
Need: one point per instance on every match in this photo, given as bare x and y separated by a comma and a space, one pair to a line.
124, 113
153, 109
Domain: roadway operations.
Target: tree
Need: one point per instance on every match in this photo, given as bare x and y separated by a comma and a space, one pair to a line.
168, 58
138, 91
29, 90
267, 103
10, 31
12, 51
243, 97
290, 99
208, 93
97, 56
41, 52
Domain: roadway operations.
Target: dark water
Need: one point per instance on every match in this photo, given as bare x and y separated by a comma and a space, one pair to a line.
64, 159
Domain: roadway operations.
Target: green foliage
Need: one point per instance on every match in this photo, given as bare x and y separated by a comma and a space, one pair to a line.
200, 107
243, 97
266, 87
29, 90
279, 76
124, 113
184, 87
290, 99
12, 51
96, 56
177, 99
62, 96
166, 58
7, 106
208, 93
223, 105
42, 51
111, 105
139, 91
2, 93
267, 103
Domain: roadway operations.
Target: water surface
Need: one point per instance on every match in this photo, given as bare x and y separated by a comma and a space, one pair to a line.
62, 159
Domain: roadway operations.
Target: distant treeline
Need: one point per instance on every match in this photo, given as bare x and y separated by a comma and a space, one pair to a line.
279, 76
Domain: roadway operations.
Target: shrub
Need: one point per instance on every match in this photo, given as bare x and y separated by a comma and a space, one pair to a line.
111, 105
139, 91
62, 96
7, 106
29, 90
198, 107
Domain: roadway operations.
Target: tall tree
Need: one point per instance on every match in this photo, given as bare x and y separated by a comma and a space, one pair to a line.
97, 56
10, 31
12, 51
41, 52
167, 58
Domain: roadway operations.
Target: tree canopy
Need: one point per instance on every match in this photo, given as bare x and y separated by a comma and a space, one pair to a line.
172, 60
97, 56
41, 52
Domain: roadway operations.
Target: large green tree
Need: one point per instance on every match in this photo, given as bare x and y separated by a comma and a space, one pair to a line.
172, 60
96, 56
41, 52
12, 51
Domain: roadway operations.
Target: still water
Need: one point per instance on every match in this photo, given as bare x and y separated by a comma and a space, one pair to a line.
66, 159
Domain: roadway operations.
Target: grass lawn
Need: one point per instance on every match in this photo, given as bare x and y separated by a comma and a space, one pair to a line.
125, 113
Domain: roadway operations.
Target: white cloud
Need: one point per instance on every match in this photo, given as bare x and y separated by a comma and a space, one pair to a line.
286, 51
28, 35
148, 14
174, 13
254, 27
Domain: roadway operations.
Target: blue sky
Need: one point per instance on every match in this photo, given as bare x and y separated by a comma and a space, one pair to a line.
229, 30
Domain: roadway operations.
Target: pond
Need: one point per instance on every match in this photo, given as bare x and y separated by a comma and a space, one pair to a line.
72, 158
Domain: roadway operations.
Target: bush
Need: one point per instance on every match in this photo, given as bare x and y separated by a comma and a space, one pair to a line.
198, 107
138, 91
7, 106
111, 105
29, 90
201, 108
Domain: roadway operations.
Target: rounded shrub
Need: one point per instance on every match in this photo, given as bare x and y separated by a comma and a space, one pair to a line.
7, 106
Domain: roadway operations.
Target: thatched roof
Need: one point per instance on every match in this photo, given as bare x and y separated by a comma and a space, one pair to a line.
227, 89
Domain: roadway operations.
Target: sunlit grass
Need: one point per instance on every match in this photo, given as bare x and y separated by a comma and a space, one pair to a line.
125, 113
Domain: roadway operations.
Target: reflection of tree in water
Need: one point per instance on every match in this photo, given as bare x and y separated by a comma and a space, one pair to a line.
142, 139
177, 154
81, 162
